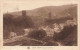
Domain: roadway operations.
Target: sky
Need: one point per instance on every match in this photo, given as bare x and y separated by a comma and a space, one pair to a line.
16, 5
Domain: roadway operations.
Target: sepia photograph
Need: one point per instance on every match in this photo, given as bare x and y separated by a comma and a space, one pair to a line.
40, 24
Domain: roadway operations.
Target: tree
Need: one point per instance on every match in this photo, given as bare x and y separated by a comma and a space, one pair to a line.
37, 34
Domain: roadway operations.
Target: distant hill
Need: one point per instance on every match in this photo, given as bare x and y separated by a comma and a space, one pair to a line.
43, 11
39, 14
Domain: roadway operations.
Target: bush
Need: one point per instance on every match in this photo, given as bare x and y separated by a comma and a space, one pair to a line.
37, 34
67, 30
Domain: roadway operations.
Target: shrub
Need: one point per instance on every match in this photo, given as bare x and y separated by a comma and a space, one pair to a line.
37, 34
67, 30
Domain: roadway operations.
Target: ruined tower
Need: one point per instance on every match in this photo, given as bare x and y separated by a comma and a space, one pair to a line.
23, 13
49, 15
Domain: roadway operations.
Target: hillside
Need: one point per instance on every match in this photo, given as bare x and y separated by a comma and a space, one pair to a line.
43, 11
38, 15
16, 22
